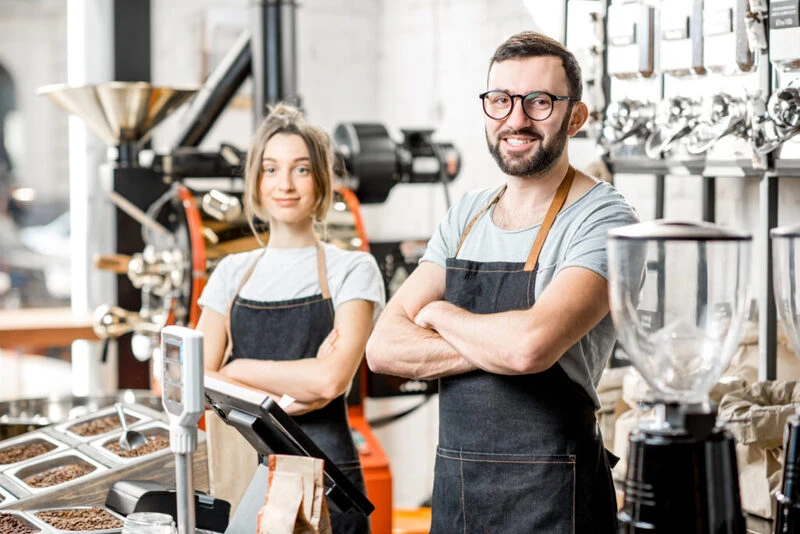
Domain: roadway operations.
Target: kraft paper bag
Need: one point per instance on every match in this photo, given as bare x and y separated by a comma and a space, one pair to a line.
232, 461
295, 502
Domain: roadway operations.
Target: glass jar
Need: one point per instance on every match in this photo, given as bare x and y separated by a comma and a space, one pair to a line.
149, 523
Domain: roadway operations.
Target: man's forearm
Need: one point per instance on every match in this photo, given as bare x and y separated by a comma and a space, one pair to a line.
399, 347
495, 343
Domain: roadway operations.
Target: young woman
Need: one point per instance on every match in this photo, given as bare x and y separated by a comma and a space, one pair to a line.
293, 317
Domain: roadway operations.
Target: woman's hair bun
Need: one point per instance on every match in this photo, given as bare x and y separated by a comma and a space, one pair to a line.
285, 113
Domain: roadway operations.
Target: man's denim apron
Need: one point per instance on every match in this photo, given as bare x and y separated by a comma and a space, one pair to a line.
294, 329
517, 454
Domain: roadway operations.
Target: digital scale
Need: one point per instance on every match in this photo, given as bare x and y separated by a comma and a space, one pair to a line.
182, 397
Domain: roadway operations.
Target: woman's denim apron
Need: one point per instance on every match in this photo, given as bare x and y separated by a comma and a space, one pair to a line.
294, 329
517, 454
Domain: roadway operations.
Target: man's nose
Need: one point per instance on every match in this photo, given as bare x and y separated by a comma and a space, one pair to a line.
517, 118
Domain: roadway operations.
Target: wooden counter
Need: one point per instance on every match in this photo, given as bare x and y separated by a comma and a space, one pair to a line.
43, 327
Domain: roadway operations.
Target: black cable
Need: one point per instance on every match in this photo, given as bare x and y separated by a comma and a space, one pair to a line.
446, 192
104, 351
386, 419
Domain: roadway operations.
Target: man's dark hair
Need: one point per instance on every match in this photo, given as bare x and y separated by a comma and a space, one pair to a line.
533, 44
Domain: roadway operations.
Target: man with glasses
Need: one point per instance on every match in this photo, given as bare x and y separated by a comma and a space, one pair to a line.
509, 309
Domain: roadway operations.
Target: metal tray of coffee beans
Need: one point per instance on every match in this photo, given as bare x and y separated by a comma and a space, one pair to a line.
40, 475
156, 433
15, 522
6, 498
100, 423
78, 519
22, 448
19, 416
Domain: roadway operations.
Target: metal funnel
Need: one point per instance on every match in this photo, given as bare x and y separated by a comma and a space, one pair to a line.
119, 112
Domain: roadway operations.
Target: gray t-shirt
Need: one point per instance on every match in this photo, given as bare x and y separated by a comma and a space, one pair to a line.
291, 273
577, 238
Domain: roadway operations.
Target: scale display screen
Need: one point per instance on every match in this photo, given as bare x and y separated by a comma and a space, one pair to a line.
174, 393
173, 372
182, 373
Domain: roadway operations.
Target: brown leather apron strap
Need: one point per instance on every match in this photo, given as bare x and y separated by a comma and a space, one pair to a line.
549, 219
229, 344
475, 219
322, 272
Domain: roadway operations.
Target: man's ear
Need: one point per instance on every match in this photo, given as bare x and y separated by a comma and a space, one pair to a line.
577, 118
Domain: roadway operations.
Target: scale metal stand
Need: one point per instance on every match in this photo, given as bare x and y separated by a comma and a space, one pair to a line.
182, 396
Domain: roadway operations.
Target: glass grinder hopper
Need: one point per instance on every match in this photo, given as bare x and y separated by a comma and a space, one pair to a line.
679, 295
785, 258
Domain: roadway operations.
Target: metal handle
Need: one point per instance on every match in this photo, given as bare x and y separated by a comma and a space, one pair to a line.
121, 414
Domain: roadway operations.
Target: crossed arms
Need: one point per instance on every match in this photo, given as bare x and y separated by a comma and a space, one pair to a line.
421, 336
312, 381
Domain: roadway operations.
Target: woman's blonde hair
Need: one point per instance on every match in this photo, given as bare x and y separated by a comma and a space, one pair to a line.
286, 119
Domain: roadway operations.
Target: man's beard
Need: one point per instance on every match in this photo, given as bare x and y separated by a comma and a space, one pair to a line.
540, 161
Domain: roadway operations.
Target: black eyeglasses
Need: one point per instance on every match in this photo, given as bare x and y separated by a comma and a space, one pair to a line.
537, 105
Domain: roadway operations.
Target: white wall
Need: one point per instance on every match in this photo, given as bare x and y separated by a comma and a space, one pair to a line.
337, 53
433, 64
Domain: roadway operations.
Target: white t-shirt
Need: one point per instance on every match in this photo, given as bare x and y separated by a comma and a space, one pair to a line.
291, 273
577, 238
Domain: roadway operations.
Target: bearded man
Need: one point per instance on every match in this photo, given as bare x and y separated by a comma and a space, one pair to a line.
509, 310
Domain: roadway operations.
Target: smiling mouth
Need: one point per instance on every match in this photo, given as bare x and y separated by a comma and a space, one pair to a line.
519, 141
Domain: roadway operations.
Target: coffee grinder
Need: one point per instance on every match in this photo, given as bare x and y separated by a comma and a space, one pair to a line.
679, 294
785, 258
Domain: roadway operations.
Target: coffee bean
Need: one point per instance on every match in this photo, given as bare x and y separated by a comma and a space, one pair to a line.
10, 524
25, 451
59, 475
100, 425
154, 443
80, 519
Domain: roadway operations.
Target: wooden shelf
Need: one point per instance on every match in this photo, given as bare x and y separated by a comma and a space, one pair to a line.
43, 327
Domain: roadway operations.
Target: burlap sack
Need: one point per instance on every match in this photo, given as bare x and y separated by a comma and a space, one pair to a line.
756, 416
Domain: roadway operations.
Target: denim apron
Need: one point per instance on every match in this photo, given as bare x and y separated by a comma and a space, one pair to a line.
294, 329
517, 454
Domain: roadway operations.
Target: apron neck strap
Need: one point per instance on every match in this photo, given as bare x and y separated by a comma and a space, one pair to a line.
549, 219
478, 216
245, 278
322, 271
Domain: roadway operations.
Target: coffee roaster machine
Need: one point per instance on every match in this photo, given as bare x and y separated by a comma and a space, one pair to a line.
701, 89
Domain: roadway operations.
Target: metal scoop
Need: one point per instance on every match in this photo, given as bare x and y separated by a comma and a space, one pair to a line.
130, 439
